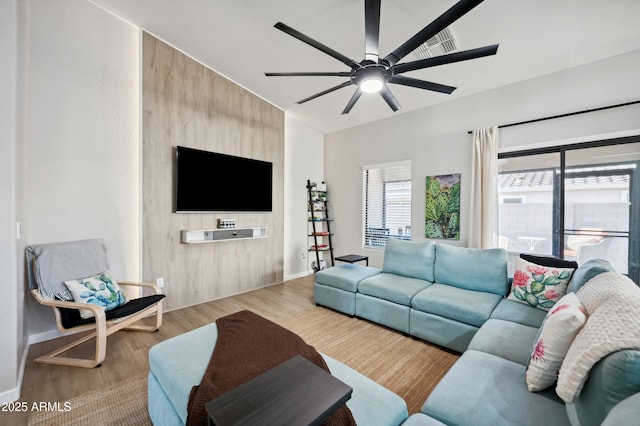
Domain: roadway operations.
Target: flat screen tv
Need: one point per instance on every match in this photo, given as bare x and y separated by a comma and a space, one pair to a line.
213, 182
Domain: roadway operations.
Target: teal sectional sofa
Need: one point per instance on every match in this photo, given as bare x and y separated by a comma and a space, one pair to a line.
456, 298
436, 292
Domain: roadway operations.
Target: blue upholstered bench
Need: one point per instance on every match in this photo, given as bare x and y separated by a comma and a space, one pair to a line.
178, 364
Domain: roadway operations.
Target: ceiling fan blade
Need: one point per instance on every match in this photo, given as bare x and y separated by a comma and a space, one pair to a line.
313, 43
352, 101
308, 74
421, 84
317, 95
391, 100
371, 29
450, 58
447, 18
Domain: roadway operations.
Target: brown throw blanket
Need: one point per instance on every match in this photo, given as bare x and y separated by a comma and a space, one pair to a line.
247, 346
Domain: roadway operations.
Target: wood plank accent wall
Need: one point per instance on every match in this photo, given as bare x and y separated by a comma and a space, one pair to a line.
187, 104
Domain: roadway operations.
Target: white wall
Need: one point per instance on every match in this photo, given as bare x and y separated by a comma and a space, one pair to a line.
436, 138
11, 314
303, 159
81, 136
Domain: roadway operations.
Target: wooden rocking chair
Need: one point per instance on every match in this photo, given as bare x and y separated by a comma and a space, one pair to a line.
50, 265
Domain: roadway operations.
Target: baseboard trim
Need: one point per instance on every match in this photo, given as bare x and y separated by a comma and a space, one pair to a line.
12, 395
43, 336
298, 275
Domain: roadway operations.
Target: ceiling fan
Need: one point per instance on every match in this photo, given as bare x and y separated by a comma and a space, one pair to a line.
373, 73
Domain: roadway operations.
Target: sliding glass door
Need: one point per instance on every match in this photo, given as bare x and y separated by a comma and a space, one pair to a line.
577, 202
598, 204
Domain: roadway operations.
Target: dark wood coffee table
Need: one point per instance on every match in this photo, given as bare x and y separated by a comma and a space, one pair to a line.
296, 392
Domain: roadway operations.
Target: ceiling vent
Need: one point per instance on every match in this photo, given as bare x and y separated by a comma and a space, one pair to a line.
443, 42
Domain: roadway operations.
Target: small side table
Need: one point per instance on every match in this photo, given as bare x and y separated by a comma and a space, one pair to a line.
352, 258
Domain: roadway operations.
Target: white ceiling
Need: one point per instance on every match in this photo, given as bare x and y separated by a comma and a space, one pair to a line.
236, 38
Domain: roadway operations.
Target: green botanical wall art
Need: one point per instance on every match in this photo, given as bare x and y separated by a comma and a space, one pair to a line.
442, 207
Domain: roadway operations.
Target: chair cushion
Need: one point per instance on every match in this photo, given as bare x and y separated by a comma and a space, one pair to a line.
71, 317
101, 290
50, 265
410, 259
472, 269
467, 306
391, 287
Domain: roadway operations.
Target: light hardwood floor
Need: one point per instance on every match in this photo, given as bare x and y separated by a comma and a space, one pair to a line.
421, 364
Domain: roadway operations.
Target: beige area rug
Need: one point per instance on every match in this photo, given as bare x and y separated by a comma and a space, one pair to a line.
408, 367
124, 404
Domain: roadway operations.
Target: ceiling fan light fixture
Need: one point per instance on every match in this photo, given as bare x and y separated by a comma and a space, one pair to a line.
371, 84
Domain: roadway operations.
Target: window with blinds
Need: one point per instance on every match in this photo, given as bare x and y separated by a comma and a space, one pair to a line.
387, 203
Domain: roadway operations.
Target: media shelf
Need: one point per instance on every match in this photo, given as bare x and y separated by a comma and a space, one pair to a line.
199, 236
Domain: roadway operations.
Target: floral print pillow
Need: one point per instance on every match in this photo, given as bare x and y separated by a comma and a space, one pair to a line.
557, 332
101, 290
538, 286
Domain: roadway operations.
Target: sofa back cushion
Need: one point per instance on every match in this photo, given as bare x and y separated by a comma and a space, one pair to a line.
409, 259
472, 269
586, 271
610, 381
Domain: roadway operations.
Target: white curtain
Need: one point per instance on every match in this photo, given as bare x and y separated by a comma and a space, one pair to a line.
484, 191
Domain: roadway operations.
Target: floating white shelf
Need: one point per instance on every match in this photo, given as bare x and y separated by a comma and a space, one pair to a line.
197, 236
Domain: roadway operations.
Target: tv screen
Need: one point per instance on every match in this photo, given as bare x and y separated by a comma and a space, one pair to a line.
213, 182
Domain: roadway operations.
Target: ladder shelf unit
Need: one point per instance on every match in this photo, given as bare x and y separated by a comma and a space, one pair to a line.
320, 229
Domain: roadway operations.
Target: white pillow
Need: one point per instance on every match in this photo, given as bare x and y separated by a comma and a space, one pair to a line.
560, 327
101, 290
538, 286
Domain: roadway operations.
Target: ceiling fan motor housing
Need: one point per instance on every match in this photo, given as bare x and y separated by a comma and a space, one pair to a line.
371, 70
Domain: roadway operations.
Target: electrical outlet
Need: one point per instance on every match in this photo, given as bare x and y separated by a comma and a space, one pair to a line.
160, 282
303, 255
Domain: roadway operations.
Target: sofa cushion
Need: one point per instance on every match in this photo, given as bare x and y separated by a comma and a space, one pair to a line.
410, 259
509, 310
537, 285
421, 419
559, 329
179, 363
625, 413
345, 276
506, 339
370, 403
482, 389
472, 269
391, 287
467, 306
586, 271
610, 381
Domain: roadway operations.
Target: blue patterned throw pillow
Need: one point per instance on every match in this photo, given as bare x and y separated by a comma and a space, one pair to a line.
101, 290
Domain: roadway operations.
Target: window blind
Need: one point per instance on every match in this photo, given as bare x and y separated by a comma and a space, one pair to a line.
387, 202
